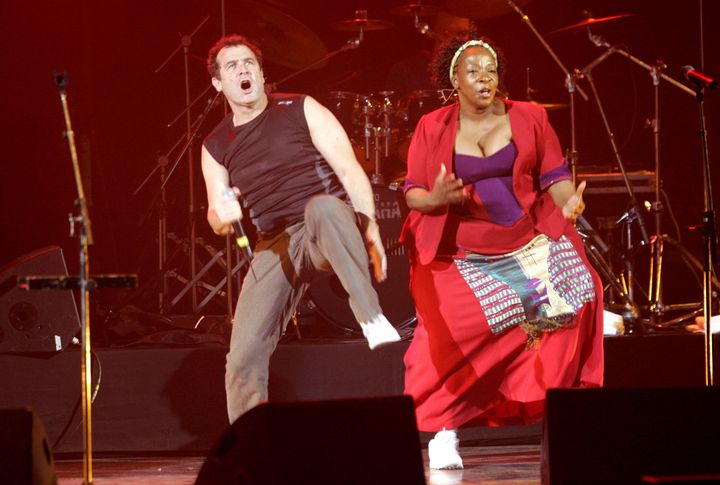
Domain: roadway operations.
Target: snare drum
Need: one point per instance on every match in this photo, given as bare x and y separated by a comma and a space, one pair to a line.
330, 298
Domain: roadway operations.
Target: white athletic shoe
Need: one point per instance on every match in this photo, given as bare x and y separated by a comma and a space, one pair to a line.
443, 451
379, 332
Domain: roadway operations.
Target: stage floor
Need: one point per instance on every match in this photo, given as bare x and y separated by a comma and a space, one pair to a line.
483, 465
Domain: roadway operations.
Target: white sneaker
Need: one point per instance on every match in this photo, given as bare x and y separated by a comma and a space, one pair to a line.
379, 332
443, 451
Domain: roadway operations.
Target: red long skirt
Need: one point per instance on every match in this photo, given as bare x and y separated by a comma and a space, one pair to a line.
460, 374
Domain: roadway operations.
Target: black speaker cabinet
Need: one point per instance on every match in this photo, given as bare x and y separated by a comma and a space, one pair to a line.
631, 436
36, 320
352, 441
25, 456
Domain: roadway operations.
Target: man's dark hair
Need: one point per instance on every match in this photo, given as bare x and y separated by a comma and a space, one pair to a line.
229, 41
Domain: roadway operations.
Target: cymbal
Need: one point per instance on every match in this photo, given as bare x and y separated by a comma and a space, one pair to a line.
415, 10
481, 9
284, 40
359, 24
589, 22
549, 106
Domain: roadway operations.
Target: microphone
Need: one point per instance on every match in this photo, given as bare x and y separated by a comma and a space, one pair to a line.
698, 78
590, 232
240, 237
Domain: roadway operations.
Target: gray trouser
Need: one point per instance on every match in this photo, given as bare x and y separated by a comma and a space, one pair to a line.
281, 270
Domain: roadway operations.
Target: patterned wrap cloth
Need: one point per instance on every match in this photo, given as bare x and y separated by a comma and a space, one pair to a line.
540, 287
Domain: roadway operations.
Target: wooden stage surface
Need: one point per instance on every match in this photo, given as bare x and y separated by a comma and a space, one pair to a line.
518, 464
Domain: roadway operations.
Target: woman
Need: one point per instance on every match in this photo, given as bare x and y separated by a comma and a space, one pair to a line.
507, 303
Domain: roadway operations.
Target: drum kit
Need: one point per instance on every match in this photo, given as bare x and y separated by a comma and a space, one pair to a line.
380, 125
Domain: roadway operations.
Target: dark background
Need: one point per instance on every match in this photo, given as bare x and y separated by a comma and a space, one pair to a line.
120, 108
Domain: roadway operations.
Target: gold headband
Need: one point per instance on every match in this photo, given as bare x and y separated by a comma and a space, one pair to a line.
470, 43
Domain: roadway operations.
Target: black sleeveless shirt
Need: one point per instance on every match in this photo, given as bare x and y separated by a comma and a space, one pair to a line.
274, 163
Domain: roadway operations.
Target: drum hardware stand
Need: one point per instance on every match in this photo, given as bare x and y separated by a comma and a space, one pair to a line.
217, 257
380, 135
212, 290
383, 132
374, 133
83, 282
185, 43
160, 166
163, 235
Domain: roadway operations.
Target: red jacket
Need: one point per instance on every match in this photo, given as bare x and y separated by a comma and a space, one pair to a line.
539, 155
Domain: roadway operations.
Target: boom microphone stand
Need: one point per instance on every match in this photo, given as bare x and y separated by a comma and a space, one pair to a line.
710, 234
86, 239
83, 283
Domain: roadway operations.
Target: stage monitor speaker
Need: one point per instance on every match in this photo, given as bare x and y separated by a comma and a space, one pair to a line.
36, 320
631, 436
25, 455
349, 441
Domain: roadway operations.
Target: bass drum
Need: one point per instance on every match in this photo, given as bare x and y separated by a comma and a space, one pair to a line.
330, 298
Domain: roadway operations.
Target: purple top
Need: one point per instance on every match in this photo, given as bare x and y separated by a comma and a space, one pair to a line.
491, 178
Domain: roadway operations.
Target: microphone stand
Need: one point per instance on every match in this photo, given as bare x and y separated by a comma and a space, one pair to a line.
710, 240
85, 240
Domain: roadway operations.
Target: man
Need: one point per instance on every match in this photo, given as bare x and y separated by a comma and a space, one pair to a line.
291, 163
